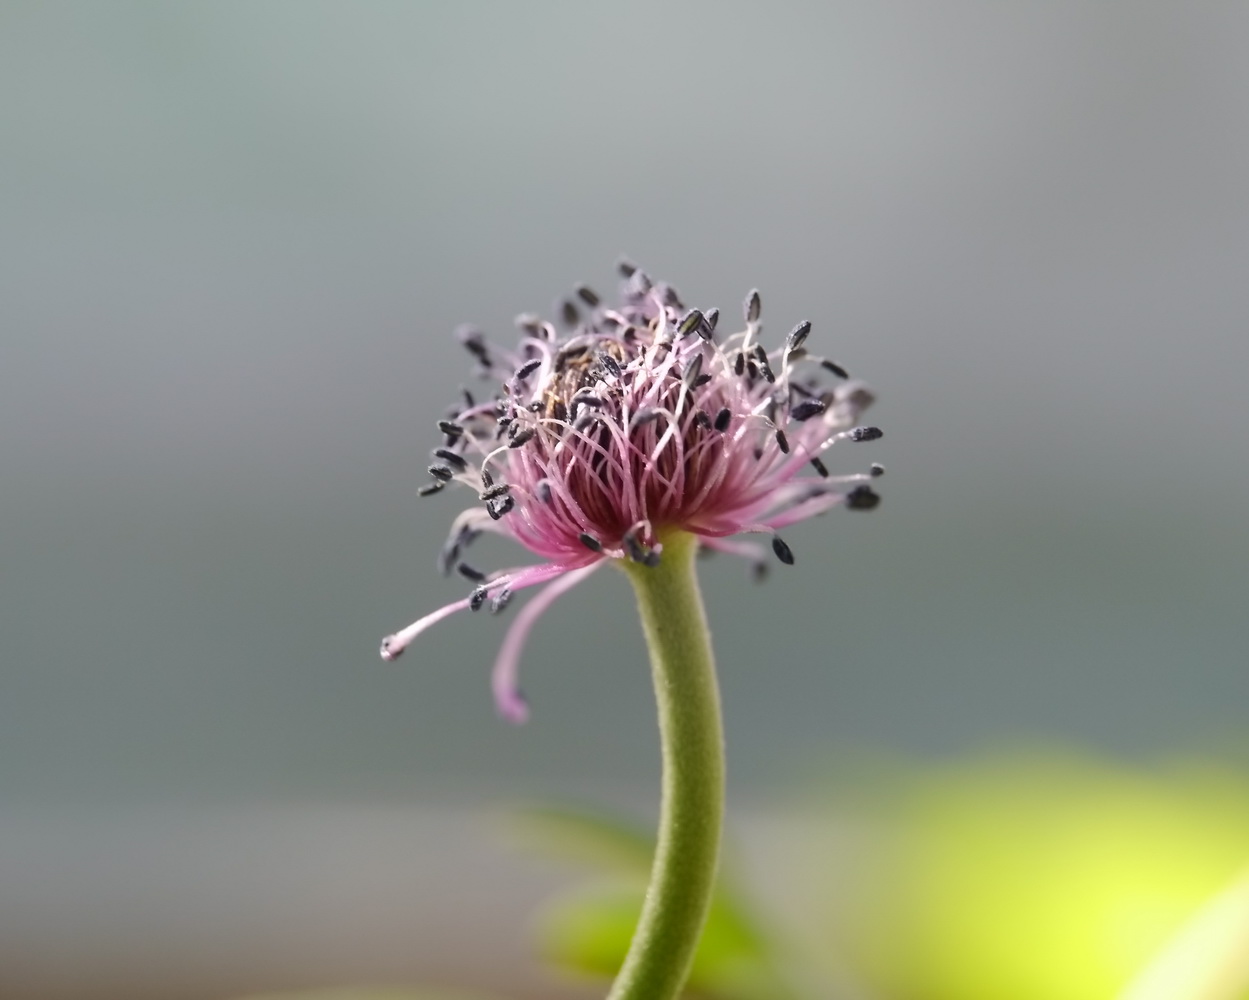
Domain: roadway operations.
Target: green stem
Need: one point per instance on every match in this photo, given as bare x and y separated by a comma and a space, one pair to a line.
684, 870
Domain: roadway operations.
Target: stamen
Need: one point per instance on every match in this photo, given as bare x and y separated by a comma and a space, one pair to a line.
701, 418
568, 313
452, 459
877, 470
590, 542
782, 441
501, 600
442, 472
521, 438
493, 492
429, 489
690, 322
543, 490
477, 598
866, 434
643, 417
712, 317
739, 363
819, 467
610, 363
637, 552
626, 267
807, 409
527, 369
753, 306
862, 498
497, 508
836, 369
783, 551
450, 428
797, 335
588, 296
470, 573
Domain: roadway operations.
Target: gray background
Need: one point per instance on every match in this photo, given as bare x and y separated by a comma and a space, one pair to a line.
234, 239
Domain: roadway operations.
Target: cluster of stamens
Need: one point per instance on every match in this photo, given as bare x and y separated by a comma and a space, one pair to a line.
638, 420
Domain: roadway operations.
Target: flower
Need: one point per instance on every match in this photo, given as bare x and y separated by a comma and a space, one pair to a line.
636, 423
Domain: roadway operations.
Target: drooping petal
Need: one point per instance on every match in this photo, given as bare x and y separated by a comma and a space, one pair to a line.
507, 696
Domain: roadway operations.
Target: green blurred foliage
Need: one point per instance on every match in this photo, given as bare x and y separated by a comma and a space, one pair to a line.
587, 930
1038, 877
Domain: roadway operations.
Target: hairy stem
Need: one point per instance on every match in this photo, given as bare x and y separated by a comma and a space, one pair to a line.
684, 870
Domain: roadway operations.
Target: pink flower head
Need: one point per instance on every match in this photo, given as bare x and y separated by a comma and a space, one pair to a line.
638, 422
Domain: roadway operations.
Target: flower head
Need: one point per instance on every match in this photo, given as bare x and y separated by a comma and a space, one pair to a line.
637, 422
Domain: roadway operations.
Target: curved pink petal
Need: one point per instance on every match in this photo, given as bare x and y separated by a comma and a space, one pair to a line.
507, 696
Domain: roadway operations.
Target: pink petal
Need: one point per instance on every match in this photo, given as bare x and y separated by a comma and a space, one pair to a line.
507, 696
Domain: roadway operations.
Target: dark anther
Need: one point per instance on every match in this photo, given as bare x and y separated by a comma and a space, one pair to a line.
568, 313
766, 371
651, 559
759, 571
866, 434
588, 295
760, 353
497, 508
450, 428
782, 441
474, 341
690, 322
470, 573
626, 267
442, 472
797, 335
530, 323
642, 283
544, 490
693, 371
559, 411
703, 421
819, 467
637, 552
477, 598
590, 542
753, 306
835, 368
807, 409
702, 380
877, 470
521, 438
452, 459
429, 489
527, 369
862, 498
487, 480
712, 317
783, 551
643, 417
469, 402
723, 418
739, 363
611, 364
494, 492
501, 600
752, 369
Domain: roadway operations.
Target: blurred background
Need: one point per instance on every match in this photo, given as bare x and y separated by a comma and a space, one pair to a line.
234, 241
